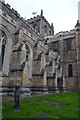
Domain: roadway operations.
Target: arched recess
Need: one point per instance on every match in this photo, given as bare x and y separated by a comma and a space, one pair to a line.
42, 60
43, 69
5, 50
41, 57
29, 59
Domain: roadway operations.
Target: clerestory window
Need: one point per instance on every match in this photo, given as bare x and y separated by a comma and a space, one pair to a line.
56, 47
69, 45
35, 26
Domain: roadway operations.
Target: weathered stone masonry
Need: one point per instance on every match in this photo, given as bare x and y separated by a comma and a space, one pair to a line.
33, 57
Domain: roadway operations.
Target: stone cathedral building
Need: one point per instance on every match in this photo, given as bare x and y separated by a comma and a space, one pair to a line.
33, 57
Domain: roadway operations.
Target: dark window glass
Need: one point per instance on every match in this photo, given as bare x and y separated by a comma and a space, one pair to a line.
69, 45
70, 70
3, 51
35, 26
56, 47
2, 54
49, 32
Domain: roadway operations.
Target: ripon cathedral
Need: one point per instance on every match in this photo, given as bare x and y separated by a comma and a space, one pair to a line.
35, 58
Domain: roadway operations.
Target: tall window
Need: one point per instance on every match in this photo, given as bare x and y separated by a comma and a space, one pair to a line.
2, 48
70, 70
45, 30
35, 26
56, 47
69, 45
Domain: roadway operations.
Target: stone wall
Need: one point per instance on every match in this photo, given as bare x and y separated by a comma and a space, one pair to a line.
30, 59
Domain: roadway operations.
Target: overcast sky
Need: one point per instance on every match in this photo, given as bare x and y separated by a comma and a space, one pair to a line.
63, 13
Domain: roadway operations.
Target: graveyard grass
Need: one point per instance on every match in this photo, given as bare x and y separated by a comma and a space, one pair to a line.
61, 105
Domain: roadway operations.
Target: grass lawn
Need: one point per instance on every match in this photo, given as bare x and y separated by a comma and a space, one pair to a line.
61, 105
0, 110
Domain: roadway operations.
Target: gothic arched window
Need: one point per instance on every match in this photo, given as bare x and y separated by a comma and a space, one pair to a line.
70, 70
2, 48
56, 47
35, 26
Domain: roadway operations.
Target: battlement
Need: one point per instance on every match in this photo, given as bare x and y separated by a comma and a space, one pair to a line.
12, 16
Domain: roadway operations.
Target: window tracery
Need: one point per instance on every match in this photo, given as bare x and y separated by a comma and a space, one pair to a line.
2, 48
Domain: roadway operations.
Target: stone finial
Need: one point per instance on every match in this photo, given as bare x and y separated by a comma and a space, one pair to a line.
41, 12
52, 27
78, 24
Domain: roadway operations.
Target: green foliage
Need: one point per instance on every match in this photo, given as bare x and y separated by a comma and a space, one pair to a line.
61, 105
